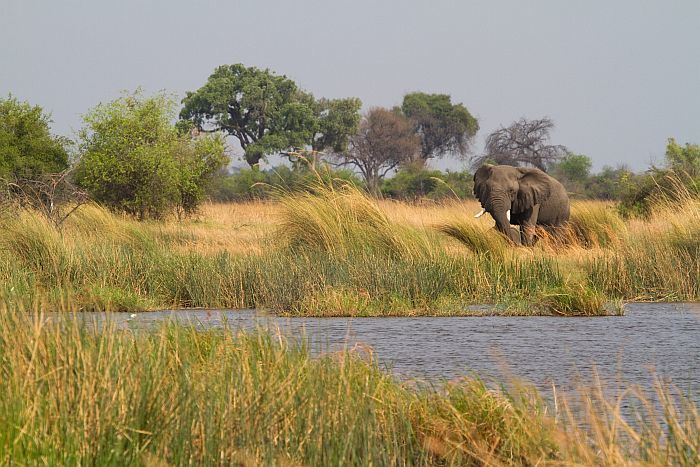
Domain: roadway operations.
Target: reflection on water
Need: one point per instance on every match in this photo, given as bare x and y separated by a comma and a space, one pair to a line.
659, 338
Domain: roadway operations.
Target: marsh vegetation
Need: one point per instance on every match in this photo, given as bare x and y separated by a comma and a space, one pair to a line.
335, 251
310, 241
73, 394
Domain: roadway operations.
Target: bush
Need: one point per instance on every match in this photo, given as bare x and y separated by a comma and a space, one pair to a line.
413, 182
679, 181
249, 184
656, 186
27, 148
134, 160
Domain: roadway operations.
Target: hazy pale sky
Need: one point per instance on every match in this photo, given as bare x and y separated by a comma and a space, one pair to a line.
617, 77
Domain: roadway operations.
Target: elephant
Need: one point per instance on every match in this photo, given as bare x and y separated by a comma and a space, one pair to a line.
520, 196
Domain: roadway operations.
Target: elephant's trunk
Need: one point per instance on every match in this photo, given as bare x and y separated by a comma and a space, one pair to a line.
501, 214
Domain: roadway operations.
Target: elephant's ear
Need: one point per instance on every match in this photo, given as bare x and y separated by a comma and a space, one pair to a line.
535, 188
480, 177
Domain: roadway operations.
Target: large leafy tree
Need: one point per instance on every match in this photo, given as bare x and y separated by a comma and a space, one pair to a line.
27, 147
385, 140
134, 160
443, 127
268, 113
525, 142
337, 119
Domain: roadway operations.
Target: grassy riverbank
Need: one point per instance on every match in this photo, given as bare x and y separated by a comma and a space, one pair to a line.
339, 253
178, 396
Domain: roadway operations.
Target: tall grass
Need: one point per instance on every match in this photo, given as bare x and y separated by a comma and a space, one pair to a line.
477, 237
337, 252
595, 224
342, 221
73, 393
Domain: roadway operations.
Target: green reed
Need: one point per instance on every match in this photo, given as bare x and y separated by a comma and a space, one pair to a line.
75, 393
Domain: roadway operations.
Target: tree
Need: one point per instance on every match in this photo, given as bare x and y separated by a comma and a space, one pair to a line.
134, 160
683, 159
443, 127
199, 160
268, 113
337, 120
27, 147
384, 140
524, 142
573, 171
608, 183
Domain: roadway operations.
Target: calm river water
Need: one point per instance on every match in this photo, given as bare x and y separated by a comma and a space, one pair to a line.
661, 339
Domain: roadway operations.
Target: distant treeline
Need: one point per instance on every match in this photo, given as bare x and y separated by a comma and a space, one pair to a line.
412, 182
151, 156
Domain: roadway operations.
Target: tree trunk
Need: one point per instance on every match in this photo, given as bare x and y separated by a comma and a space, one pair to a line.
373, 185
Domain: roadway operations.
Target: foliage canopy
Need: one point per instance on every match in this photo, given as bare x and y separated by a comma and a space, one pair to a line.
268, 113
27, 147
443, 127
683, 159
133, 159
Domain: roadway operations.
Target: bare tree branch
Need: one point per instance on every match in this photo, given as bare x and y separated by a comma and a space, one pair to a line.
384, 140
53, 195
522, 143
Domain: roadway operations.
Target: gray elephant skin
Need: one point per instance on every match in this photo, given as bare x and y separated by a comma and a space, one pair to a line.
522, 197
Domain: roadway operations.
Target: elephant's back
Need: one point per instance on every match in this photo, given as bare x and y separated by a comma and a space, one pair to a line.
557, 209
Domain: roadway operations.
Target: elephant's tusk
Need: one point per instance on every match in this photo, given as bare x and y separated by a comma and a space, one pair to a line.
480, 213
508, 215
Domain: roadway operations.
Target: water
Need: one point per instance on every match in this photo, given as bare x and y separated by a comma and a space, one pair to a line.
650, 339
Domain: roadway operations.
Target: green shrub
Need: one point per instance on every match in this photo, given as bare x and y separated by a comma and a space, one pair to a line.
134, 160
27, 148
679, 181
413, 182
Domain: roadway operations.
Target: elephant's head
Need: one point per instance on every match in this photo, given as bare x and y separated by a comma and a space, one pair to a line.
508, 192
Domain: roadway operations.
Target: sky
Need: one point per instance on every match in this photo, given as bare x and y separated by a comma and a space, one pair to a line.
617, 77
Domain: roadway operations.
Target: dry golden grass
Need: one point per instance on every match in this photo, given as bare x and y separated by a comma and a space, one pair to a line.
248, 228
338, 251
239, 228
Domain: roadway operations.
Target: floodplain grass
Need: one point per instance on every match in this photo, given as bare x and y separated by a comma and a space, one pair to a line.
337, 252
74, 392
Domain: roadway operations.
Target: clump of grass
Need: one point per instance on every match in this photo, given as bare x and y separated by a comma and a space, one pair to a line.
34, 241
477, 238
683, 221
574, 300
469, 422
596, 225
112, 299
664, 428
342, 221
659, 262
